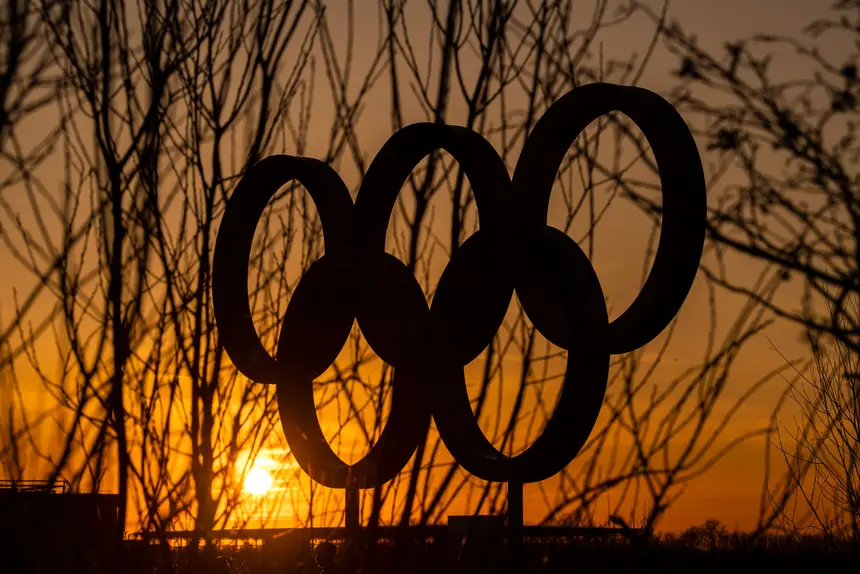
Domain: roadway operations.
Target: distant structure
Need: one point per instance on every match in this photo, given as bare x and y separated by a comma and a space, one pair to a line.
46, 525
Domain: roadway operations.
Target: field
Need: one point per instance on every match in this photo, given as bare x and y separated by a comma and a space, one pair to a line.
701, 550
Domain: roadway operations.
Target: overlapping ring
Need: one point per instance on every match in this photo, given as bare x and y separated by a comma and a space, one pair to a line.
428, 346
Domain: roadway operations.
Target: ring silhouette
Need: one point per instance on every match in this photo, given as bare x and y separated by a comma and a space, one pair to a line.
514, 250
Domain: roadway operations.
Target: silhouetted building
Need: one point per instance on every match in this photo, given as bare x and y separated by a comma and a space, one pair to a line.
45, 528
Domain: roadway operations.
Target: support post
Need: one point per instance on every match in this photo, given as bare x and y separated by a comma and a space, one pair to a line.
515, 525
352, 536
352, 510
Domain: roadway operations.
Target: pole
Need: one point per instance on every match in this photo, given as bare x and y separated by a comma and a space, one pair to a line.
352, 519
515, 525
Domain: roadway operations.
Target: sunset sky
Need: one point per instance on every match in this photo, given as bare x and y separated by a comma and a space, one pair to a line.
731, 490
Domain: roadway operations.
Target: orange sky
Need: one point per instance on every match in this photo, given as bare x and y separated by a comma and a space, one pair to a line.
730, 491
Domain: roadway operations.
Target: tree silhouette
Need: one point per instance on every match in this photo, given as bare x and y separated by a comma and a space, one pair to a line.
783, 142
163, 106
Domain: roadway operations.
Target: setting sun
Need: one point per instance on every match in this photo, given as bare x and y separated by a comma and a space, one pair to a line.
258, 481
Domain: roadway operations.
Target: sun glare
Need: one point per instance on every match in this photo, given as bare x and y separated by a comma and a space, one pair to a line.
258, 481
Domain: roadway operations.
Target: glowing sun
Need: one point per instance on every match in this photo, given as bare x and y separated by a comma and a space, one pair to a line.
258, 481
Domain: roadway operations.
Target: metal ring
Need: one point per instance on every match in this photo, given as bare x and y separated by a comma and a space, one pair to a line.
514, 250
682, 234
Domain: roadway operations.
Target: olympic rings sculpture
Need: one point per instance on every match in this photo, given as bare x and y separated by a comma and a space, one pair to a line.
514, 250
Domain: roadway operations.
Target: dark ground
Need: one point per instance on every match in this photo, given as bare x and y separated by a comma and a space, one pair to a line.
807, 555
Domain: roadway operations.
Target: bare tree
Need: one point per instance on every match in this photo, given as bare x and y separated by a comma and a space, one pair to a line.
791, 138
820, 446
784, 151
28, 84
179, 100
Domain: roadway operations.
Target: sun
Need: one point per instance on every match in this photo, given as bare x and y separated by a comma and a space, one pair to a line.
258, 481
